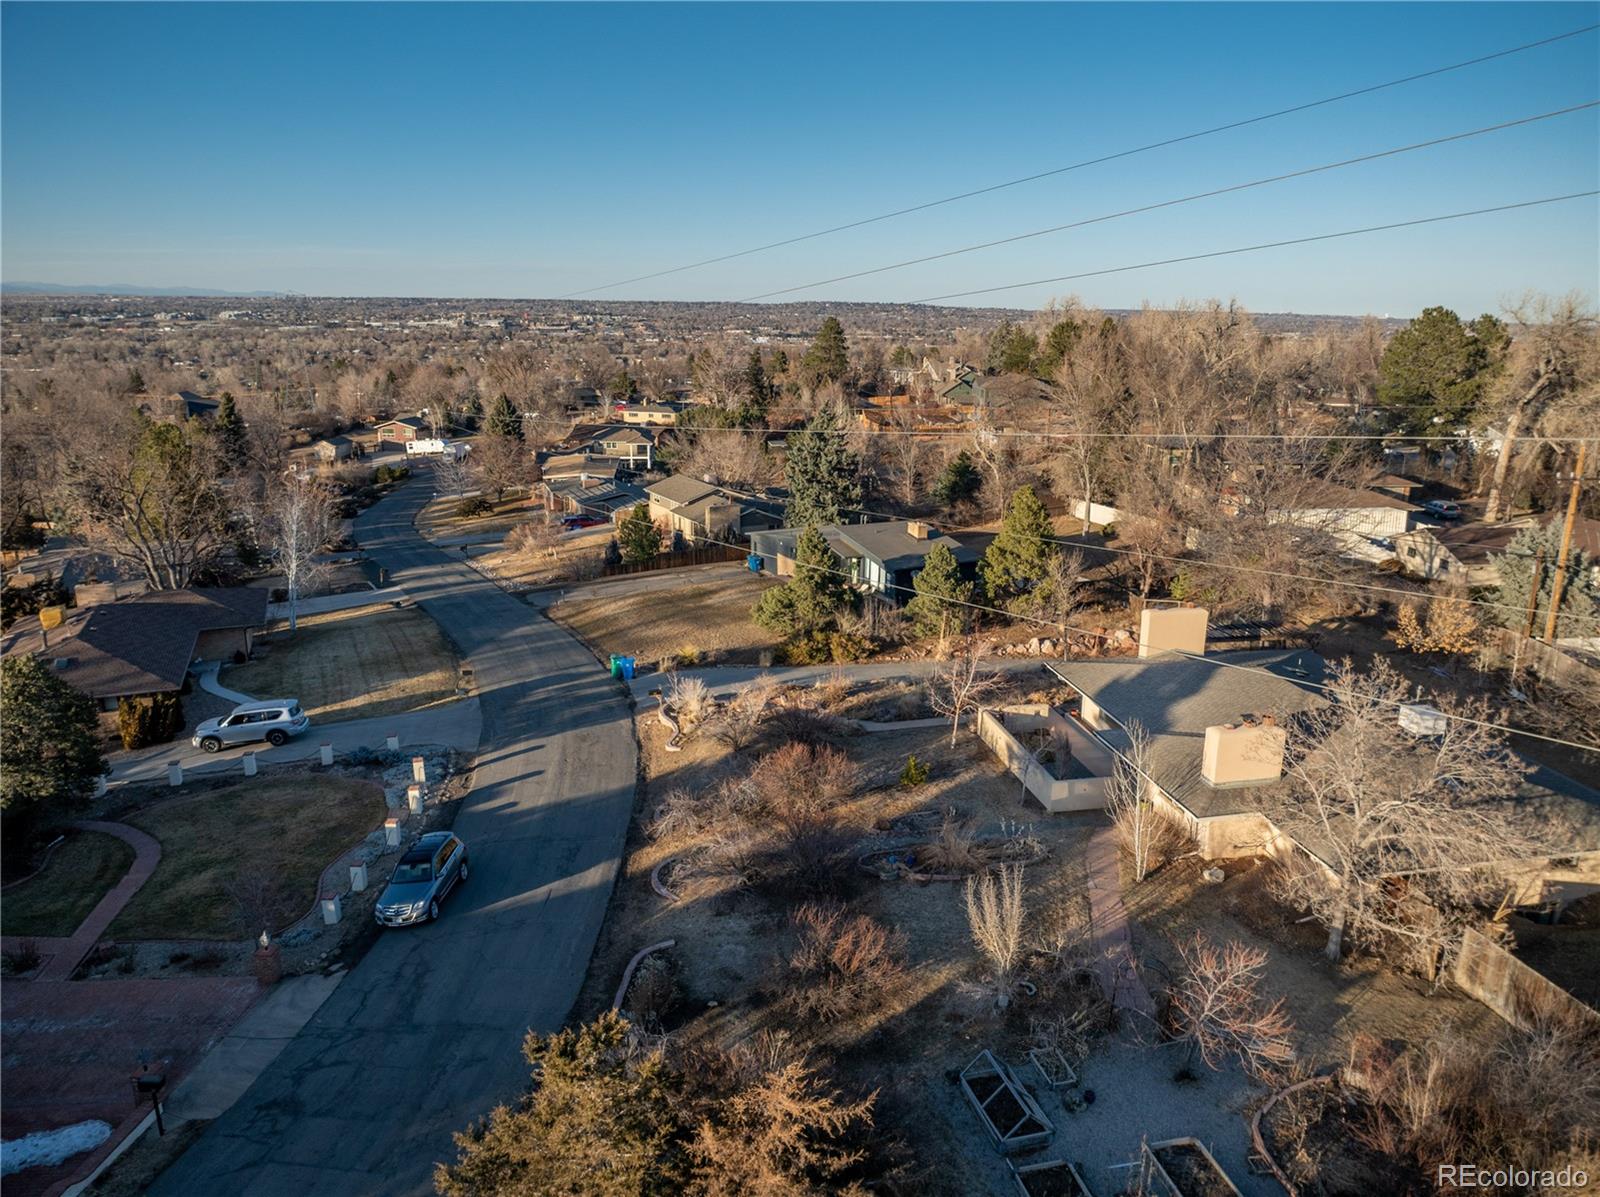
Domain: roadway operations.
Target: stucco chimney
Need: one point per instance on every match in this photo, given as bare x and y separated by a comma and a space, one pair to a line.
918, 529
1243, 754
1172, 629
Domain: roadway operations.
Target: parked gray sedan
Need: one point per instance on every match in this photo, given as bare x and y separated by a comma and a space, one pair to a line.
273, 720
426, 873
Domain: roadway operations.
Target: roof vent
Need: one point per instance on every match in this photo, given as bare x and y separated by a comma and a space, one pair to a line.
62, 662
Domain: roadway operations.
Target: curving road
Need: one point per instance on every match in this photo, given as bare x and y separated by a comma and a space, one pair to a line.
425, 1033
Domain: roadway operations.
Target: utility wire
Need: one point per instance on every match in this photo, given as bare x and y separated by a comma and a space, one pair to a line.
1106, 636
1187, 199
1246, 249
1155, 145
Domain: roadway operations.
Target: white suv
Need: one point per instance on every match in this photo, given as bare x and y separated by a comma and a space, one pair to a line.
274, 720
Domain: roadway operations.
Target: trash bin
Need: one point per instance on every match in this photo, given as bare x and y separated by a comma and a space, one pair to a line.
616, 665
627, 668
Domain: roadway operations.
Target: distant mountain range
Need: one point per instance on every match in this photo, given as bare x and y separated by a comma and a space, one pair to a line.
22, 288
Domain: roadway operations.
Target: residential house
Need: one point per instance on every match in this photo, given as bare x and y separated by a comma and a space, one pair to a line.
1399, 486
881, 558
186, 405
1462, 554
700, 511
1343, 509
600, 497
400, 431
333, 449
142, 645
655, 415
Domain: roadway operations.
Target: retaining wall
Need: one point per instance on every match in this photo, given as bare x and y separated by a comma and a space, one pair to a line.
1055, 795
1509, 987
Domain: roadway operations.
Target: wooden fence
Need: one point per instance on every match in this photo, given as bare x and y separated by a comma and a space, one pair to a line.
706, 555
1509, 987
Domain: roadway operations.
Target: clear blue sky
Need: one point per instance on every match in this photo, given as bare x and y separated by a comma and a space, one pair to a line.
509, 150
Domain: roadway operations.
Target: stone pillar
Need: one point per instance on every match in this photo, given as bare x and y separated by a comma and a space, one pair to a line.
249, 764
391, 832
392, 743
419, 768
332, 909
327, 754
175, 774
358, 878
414, 799
269, 964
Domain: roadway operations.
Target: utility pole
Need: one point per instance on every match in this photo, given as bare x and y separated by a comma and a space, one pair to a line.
1566, 545
1533, 592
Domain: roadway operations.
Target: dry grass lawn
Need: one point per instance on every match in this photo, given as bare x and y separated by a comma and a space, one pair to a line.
711, 621
438, 518
260, 844
353, 664
79, 873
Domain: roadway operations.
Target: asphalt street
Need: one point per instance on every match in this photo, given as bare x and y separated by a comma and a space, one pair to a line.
425, 1034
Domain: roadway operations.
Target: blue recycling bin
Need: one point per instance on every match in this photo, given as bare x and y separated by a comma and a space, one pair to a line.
627, 668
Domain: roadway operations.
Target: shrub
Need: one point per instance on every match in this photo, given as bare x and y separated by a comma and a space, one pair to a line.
810, 648
802, 791
848, 646
472, 505
653, 994
842, 965
914, 774
154, 719
22, 957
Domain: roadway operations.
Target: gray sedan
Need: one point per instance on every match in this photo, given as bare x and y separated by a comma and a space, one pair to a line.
427, 872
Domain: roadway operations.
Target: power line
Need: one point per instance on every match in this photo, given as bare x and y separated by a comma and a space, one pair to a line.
1106, 636
1155, 145
1246, 249
1187, 199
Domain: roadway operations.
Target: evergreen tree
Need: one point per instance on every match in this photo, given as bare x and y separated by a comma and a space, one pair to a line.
1019, 557
637, 535
812, 599
902, 357
1438, 368
230, 432
824, 475
758, 392
1058, 346
503, 418
780, 363
50, 741
135, 384
828, 358
959, 481
1580, 596
623, 386
1011, 350
941, 591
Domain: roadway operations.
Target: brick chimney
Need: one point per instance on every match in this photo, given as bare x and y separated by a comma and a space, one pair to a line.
1243, 754
1172, 629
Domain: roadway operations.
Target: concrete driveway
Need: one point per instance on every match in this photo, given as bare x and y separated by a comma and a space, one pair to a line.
425, 1034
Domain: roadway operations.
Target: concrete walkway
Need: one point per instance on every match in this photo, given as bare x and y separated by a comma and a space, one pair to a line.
323, 604
450, 725
147, 854
1108, 920
205, 673
725, 679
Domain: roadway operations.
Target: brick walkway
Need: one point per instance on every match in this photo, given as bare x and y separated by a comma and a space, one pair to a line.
1108, 918
67, 954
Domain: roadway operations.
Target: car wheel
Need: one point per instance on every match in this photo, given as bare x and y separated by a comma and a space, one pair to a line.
463, 870
277, 738
433, 910
210, 744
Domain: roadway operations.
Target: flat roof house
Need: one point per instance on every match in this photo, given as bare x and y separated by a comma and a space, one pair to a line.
142, 645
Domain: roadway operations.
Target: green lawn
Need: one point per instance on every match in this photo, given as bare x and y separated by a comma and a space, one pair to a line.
244, 855
355, 664
77, 876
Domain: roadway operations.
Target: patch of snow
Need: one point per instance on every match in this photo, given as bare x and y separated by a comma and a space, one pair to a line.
52, 1147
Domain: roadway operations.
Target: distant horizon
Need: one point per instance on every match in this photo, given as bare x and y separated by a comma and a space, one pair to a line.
476, 150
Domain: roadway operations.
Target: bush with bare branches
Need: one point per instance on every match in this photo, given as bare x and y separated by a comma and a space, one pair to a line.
802, 791
961, 685
1218, 1009
995, 916
842, 965
737, 722
1145, 831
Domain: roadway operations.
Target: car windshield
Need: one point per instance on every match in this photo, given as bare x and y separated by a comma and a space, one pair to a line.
294, 711
408, 871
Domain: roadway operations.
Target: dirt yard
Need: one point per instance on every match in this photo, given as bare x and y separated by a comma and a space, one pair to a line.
698, 624
78, 874
355, 664
231, 853
732, 942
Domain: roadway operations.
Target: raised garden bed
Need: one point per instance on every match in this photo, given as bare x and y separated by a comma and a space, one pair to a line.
1013, 1119
1051, 1178
1052, 1067
1183, 1168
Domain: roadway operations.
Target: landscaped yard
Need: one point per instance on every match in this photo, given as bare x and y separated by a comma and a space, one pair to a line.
710, 621
234, 856
77, 876
353, 664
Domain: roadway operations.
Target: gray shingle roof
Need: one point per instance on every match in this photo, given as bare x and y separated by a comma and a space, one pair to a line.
681, 489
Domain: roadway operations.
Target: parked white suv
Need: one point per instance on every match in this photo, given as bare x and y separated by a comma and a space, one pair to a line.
273, 720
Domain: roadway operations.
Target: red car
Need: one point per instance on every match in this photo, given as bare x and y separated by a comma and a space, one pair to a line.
571, 522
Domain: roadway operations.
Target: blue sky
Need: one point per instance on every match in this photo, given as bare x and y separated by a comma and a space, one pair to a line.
534, 150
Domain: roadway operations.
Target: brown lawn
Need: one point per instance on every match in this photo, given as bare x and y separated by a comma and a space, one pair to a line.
710, 621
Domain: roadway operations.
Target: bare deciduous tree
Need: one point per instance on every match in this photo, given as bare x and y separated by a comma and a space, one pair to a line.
296, 524
1391, 815
1218, 1009
959, 685
1147, 834
995, 915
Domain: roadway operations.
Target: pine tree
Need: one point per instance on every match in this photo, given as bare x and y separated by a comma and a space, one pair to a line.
824, 475
812, 599
1439, 368
757, 392
1019, 557
230, 432
503, 419
828, 358
941, 592
638, 538
50, 740
1580, 597
959, 481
